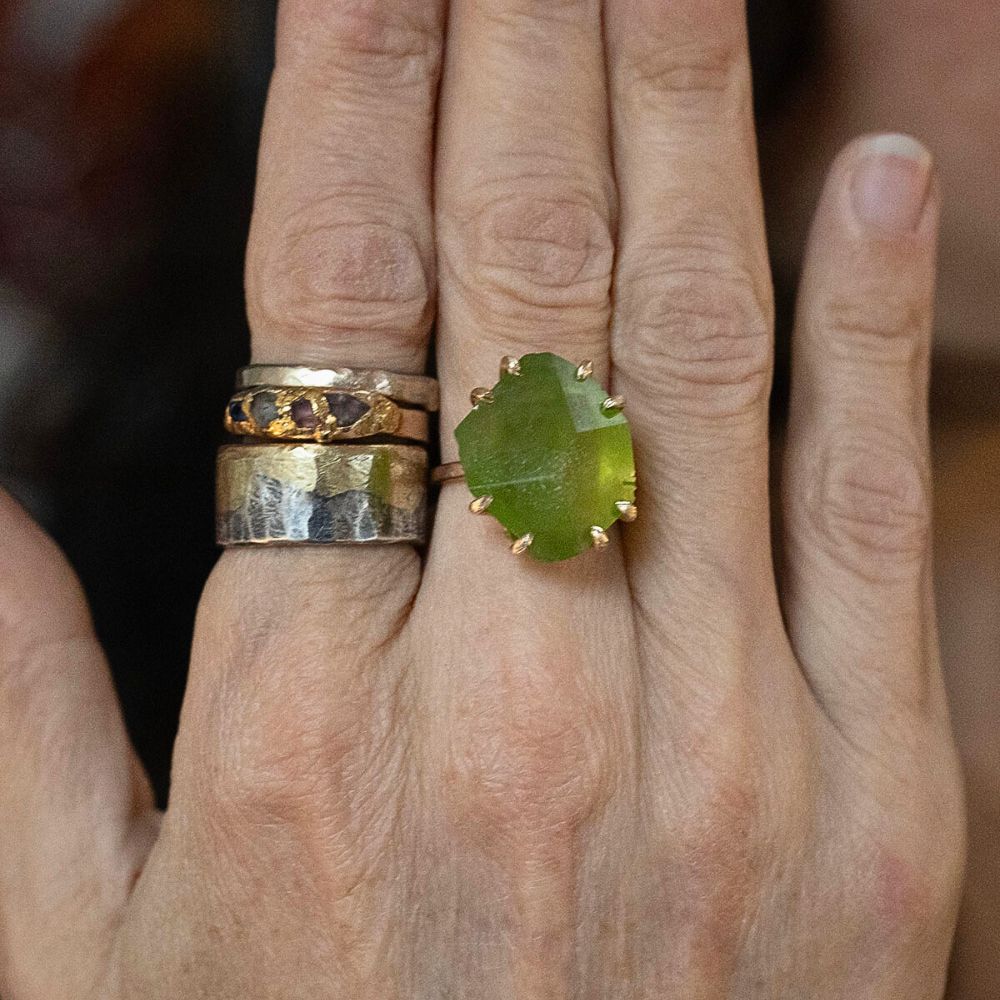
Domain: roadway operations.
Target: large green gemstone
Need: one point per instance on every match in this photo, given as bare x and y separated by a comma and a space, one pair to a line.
553, 460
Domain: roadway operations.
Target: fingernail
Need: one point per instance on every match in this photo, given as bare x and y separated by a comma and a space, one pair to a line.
891, 182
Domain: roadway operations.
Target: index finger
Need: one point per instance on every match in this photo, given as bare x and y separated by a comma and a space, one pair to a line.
340, 264
292, 645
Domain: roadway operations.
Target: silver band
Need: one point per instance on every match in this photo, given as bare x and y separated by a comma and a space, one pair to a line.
413, 390
314, 494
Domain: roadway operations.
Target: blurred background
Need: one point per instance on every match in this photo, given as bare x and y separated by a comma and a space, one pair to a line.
128, 132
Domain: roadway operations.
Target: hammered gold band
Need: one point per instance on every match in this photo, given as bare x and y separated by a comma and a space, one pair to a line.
316, 494
321, 415
327, 457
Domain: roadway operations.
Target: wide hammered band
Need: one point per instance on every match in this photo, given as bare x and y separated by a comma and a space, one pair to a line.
321, 415
410, 390
316, 494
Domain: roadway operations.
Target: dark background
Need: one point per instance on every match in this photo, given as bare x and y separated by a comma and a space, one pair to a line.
128, 135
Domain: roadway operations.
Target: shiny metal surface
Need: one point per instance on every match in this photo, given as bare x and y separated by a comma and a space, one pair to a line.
313, 494
413, 390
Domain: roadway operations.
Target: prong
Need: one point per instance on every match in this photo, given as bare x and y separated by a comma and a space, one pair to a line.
522, 544
481, 395
585, 371
510, 366
599, 537
613, 403
629, 512
481, 504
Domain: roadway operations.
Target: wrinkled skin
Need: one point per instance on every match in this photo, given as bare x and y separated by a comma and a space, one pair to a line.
645, 773
929, 69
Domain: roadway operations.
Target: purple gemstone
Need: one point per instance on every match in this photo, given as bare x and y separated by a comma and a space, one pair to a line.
264, 409
304, 415
345, 408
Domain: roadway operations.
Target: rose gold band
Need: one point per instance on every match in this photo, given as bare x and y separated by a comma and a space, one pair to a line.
450, 472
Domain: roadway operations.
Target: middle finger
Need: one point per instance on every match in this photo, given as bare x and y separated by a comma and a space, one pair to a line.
524, 191
537, 705
691, 340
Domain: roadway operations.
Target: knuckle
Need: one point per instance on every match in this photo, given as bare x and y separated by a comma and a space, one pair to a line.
523, 256
714, 842
534, 769
320, 276
693, 327
916, 883
694, 72
374, 39
260, 748
878, 327
298, 762
873, 503
694, 75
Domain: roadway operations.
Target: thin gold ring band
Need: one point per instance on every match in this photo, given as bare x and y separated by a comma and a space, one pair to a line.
450, 472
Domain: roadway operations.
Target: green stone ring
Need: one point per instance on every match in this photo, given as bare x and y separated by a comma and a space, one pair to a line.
548, 453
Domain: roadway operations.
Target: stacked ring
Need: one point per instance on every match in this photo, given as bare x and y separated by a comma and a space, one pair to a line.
409, 390
321, 415
293, 479
286, 494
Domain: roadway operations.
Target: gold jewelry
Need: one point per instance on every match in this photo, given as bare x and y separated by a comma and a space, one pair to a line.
315, 494
548, 453
450, 472
412, 390
321, 415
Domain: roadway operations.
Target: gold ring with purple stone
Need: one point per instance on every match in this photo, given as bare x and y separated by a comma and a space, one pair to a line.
548, 453
321, 415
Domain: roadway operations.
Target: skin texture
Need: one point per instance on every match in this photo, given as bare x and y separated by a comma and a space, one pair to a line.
928, 68
646, 773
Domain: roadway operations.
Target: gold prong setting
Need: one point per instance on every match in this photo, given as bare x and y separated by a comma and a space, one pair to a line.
599, 537
627, 511
494, 453
522, 544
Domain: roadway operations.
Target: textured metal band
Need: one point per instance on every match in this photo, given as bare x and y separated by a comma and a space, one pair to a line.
414, 390
321, 415
313, 494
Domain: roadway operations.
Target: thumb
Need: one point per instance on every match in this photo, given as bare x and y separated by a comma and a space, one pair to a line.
76, 814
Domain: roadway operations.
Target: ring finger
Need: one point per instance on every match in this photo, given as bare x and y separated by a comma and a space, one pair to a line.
691, 341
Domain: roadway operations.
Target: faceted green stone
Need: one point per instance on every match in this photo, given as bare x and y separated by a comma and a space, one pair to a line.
553, 460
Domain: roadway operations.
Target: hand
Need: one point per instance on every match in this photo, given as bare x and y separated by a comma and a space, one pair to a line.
645, 773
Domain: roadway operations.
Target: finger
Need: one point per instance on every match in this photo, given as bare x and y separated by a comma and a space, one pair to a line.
340, 263
524, 214
536, 712
691, 337
524, 192
78, 816
295, 671
856, 590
